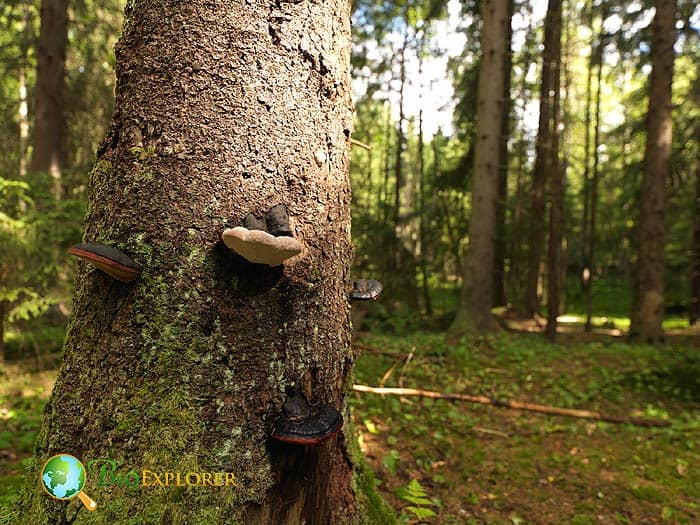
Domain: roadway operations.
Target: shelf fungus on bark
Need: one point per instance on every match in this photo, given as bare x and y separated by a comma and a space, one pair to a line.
365, 289
267, 241
110, 260
303, 424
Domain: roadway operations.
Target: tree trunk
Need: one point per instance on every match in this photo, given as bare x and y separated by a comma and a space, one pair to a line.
555, 175
49, 123
422, 215
499, 270
586, 265
694, 306
477, 289
595, 180
538, 206
403, 279
220, 110
648, 302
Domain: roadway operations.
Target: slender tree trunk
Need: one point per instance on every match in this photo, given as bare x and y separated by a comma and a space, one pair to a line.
218, 113
694, 306
515, 274
477, 288
499, 289
49, 123
387, 167
422, 237
586, 265
555, 175
538, 207
595, 180
403, 282
648, 302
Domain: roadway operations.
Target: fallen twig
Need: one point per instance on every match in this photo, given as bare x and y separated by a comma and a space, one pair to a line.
516, 405
361, 144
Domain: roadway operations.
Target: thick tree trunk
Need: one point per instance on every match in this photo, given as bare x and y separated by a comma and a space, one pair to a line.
648, 303
556, 207
538, 206
499, 270
49, 123
220, 111
477, 289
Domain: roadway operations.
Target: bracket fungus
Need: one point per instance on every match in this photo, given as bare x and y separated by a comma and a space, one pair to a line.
277, 221
365, 289
255, 244
303, 424
110, 260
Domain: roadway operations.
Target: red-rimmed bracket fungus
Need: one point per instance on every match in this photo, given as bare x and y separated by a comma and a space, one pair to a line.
365, 289
303, 424
110, 260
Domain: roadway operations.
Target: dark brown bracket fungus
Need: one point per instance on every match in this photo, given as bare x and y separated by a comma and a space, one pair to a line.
110, 260
365, 289
303, 424
277, 221
253, 223
254, 243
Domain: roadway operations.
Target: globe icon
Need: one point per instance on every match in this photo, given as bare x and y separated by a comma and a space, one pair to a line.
63, 477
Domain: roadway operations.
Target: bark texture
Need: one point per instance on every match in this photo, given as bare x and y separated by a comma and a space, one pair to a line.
477, 292
648, 303
49, 122
542, 147
221, 109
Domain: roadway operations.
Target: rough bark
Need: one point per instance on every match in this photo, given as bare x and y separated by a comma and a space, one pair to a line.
49, 122
220, 110
499, 270
544, 132
477, 290
648, 302
555, 175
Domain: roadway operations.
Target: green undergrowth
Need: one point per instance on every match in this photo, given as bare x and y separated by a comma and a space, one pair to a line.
482, 464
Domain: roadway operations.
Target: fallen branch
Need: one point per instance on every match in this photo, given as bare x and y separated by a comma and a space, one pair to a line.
516, 405
361, 144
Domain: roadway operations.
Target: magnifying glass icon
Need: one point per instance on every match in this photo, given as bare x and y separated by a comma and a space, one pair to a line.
63, 477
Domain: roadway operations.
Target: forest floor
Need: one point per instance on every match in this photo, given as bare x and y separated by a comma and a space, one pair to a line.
469, 463
482, 464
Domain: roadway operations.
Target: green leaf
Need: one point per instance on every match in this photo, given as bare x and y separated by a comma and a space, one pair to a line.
421, 513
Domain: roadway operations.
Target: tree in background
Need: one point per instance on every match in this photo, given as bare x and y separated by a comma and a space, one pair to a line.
217, 113
648, 302
550, 62
555, 174
48, 153
477, 289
